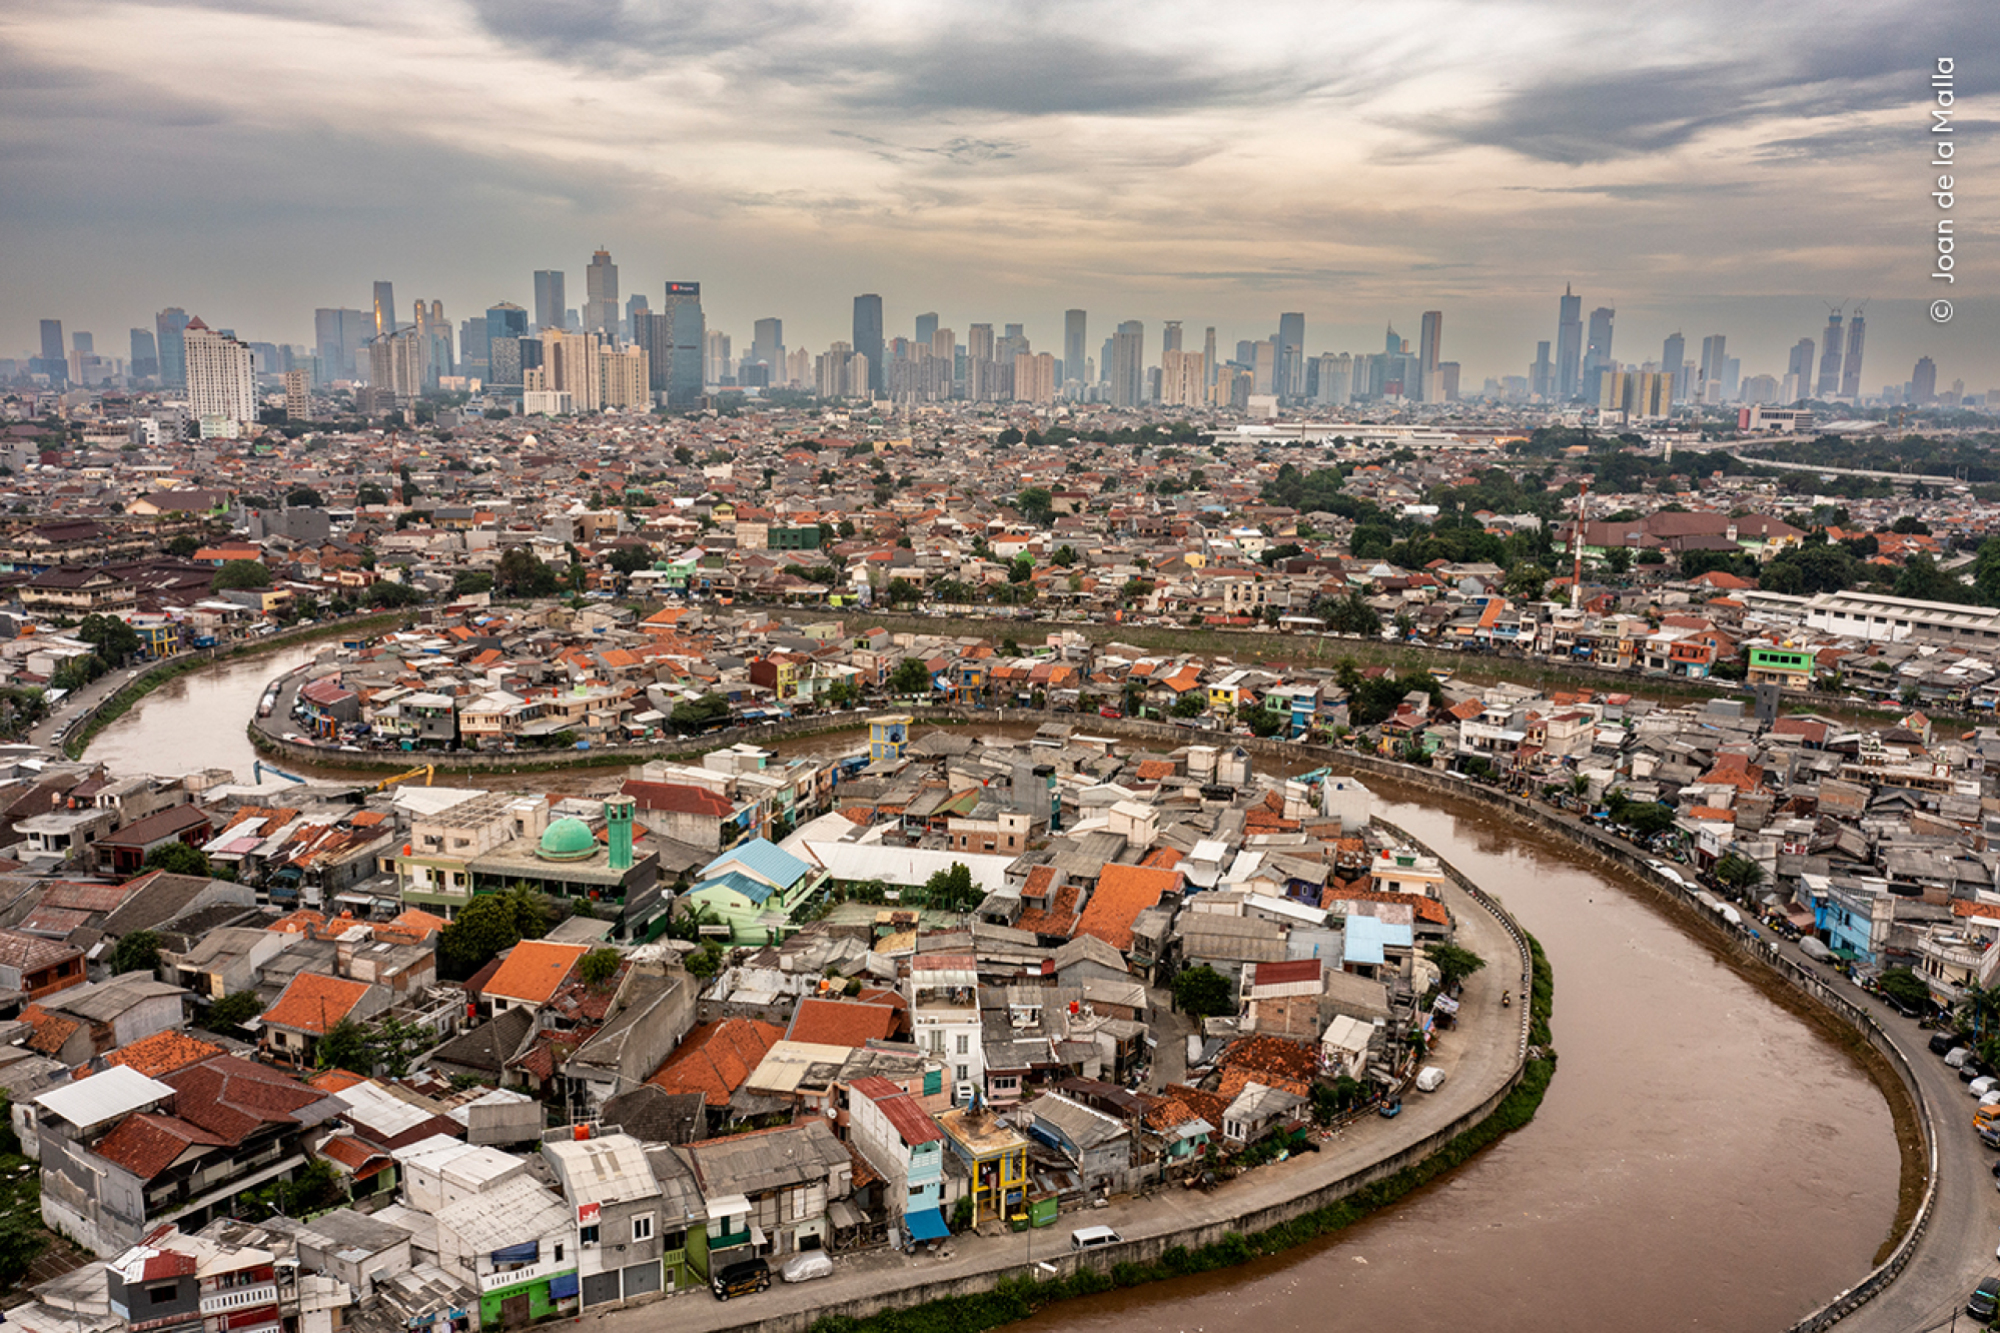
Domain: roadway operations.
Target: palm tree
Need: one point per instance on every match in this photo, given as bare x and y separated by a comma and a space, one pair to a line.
1979, 1007
1739, 872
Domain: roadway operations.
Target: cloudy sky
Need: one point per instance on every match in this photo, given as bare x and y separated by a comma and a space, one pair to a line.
1716, 166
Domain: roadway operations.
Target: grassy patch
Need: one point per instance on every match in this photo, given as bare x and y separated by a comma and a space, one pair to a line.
1018, 1298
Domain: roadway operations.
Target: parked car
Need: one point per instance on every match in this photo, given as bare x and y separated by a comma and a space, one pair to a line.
1942, 1042
805, 1266
1982, 1085
1390, 1110
740, 1278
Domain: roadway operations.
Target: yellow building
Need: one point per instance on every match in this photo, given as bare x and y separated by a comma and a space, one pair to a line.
887, 735
996, 1157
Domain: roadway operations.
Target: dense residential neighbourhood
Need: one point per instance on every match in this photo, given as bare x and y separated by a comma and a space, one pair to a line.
1046, 914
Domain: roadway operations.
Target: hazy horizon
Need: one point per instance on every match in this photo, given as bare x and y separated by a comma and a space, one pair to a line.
1723, 168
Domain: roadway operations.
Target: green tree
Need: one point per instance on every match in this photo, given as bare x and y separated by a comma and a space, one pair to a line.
344, 1046
228, 1014
489, 924
371, 494
242, 574
137, 952
1900, 983
468, 582
1021, 568
393, 1043
177, 858
911, 676
706, 961
183, 546
304, 497
520, 574
1618, 560
1203, 992
598, 966
1739, 872
1352, 615
629, 560
1036, 504
1922, 580
1191, 703
697, 715
1454, 964
1525, 582
952, 889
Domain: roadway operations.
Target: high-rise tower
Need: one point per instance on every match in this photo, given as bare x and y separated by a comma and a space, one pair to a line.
1430, 344
600, 294
868, 337
1569, 346
219, 378
1673, 354
171, 325
385, 307
549, 298
1128, 364
1850, 366
1074, 325
1597, 352
685, 339
1830, 349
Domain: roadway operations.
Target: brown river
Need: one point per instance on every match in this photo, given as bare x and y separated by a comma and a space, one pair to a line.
1704, 1159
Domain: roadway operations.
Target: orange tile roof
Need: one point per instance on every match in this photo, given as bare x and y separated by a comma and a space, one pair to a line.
840, 1022
533, 971
1123, 891
313, 1003
163, 1053
716, 1058
335, 1080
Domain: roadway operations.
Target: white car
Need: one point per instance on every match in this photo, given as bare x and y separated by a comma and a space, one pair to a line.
805, 1266
1982, 1085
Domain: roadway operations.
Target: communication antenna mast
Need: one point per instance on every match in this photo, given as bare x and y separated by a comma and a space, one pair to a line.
1576, 543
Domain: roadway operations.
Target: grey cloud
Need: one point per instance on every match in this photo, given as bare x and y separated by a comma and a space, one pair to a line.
1640, 191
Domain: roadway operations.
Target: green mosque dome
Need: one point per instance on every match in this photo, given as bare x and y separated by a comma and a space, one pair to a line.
567, 839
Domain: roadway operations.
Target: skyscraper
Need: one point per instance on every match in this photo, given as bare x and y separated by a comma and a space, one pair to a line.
1208, 354
635, 306
1170, 339
1923, 381
1597, 351
171, 324
1541, 375
600, 292
1714, 353
1829, 357
145, 363
474, 347
506, 320
385, 307
1289, 356
767, 344
1430, 341
868, 338
927, 327
549, 298
219, 379
1074, 327
1128, 364
1569, 346
52, 342
686, 336
1850, 368
1798, 372
1672, 353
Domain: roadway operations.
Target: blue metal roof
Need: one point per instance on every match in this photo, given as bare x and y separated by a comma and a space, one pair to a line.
756, 890
1364, 938
764, 859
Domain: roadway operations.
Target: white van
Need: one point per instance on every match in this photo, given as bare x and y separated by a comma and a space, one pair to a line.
1090, 1238
1431, 1079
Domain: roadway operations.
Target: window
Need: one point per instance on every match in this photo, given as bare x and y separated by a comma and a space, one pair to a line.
559, 1248
933, 1082
161, 1295
642, 1227
964, 1073
964, 1043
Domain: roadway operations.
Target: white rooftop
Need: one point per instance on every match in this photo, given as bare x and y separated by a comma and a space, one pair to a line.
104, 1097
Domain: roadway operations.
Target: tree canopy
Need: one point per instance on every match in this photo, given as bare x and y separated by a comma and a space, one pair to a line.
1203, 992
242, 574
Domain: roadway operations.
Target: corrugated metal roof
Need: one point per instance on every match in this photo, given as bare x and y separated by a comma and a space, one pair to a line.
102, 1097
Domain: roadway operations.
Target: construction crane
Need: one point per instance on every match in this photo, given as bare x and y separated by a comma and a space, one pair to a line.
259, 768
427, 770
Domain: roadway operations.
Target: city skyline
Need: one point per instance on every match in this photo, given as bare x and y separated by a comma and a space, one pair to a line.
1003, 175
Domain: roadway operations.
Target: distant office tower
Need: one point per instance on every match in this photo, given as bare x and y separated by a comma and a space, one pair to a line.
474, 347
1760, 390
298, 396
385, 307
927, 327
1569, 346
171, 324
635, 306
798, 368
1446, 378
220, 382
1288, 356
767, 344
506, 320
1430, 346
1264, 366
1850, 366
1732, 375
686, 336
81, 342
1713, 353
1034, 377
1597, 350
1798, 380
434, 331
1208, 353
549, 298
337, 335
1541, 375
943, 364
868, 336
1183, 379
1128, 364
1673, 353
396, 363
1075, 323
53, 361
715, 358
571, 364
1829, 357
600, 294
1923, 381
145, 356
1170, 339
981, 383
1336, 378
624, 376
